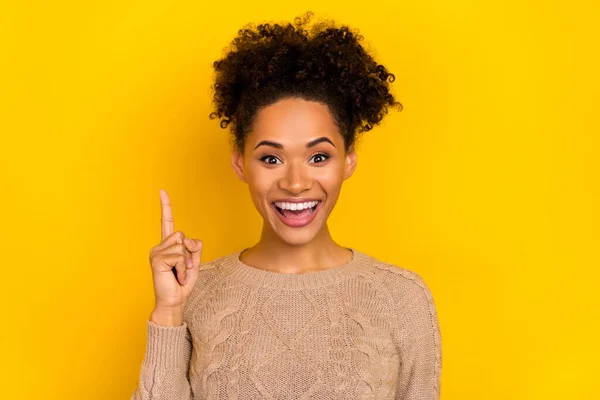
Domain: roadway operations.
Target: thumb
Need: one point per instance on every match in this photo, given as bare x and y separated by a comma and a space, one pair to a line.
191, 276
194, 246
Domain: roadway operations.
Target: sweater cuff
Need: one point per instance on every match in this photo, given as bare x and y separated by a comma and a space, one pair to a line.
166, 346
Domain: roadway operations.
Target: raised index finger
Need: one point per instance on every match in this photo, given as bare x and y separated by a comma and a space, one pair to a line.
167, 215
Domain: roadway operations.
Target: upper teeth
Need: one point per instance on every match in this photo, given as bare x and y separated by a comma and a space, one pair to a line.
296, 206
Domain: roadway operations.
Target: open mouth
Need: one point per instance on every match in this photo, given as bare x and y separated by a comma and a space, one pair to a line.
297, 213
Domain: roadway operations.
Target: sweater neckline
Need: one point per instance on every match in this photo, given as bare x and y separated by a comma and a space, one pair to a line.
236, 269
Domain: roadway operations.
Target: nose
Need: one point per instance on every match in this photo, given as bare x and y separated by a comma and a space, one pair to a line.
296, 179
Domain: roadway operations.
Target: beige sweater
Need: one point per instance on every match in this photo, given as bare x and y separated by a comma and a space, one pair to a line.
364, 330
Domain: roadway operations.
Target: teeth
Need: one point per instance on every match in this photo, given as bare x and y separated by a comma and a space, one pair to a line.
296, 206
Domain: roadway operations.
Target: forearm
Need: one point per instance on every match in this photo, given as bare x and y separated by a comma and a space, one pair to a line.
164, 372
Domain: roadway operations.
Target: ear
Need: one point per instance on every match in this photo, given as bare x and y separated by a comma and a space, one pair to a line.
237, 163
350, 163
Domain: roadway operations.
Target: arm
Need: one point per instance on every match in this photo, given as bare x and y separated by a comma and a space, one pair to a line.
165, 368
419, 340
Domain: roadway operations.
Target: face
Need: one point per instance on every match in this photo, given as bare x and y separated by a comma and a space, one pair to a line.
294, 155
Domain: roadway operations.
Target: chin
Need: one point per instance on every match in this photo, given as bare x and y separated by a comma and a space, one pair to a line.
296, 238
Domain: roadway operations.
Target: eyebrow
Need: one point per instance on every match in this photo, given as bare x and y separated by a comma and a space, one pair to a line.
280, 146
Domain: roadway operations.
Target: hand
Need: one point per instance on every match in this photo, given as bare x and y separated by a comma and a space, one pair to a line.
175, 266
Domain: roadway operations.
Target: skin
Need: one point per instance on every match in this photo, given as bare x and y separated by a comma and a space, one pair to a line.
294, 171
175, 253
316, 172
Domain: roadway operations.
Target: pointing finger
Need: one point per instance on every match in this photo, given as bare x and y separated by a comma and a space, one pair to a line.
167, 215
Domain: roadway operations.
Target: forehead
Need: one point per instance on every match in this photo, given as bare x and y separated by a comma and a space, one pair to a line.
294, 120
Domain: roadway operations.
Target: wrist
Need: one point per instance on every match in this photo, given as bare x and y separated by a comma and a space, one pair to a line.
167, 317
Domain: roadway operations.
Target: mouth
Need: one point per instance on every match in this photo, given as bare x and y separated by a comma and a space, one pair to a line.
297, 218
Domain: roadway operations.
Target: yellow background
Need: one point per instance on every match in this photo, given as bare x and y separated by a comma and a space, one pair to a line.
486, 184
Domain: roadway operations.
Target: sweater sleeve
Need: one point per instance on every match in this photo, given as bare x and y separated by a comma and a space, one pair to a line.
165, 369
419, 339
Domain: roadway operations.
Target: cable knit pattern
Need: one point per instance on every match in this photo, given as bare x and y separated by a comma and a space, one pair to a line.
363, 330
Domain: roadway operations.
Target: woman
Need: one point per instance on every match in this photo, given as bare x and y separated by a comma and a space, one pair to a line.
297, 315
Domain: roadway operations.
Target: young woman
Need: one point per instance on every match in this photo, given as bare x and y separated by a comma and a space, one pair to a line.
297, 315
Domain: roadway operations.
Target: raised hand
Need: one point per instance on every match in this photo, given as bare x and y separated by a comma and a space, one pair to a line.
175, 265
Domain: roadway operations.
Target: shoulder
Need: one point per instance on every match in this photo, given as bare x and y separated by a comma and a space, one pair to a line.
212, 266
395, 276
405, 286
210, 276
411, 299
212, 272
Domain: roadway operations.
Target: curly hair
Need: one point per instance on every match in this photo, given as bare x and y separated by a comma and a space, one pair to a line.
270, 62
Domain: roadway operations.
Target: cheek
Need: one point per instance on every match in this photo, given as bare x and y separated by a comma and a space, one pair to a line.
259, 186
330, 179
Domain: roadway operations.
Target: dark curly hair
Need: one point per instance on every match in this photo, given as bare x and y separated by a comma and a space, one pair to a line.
267, 63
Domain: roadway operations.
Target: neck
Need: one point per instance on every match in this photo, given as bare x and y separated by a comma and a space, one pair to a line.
319, 254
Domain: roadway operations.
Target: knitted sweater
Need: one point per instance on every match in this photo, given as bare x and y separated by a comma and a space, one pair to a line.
363, 330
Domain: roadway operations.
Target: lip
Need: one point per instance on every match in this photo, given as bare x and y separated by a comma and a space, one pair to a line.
296, 200
297, 222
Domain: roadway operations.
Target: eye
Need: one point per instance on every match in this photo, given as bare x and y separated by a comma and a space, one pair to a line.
269, 158
323, 156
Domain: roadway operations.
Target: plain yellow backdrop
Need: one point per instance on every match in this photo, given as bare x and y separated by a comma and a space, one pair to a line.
486, 184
